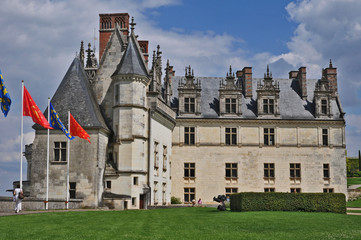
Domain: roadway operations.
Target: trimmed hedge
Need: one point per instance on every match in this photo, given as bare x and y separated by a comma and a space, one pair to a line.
277, 201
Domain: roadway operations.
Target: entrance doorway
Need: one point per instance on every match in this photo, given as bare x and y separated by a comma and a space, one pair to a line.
141, 201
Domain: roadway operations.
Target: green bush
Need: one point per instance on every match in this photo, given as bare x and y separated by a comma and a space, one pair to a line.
275, 201
174, 200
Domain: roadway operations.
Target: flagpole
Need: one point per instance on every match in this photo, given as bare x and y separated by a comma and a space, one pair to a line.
67, 169
47, 162
21, 134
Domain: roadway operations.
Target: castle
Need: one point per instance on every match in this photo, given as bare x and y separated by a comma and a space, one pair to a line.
154, 137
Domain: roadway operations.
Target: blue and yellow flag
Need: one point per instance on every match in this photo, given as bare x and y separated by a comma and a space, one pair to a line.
57, 124
5, 99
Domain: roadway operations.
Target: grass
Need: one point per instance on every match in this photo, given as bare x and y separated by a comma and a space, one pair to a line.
354, 204
180, 223
353, 181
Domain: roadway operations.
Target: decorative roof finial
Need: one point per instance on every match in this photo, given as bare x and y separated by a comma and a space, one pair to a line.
267, 70
330, 64
132, 24
230, 70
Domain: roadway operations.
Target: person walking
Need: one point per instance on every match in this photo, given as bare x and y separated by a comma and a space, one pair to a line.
18, 199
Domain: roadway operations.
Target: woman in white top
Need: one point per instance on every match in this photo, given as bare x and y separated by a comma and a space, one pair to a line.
17, 199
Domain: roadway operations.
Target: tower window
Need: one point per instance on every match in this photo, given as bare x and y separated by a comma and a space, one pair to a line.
326, 170
60, 151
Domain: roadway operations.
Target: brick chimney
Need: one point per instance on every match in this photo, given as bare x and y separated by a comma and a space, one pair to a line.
144, 47
246, 78
107, 24
330, 74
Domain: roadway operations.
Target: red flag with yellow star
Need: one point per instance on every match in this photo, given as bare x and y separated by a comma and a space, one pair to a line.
32, 110
76, 130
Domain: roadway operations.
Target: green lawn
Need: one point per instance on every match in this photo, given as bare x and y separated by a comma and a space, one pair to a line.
355, 204
180, 223
353, 181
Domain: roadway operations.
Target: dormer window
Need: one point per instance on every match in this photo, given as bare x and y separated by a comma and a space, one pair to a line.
230, 96
268, 106
268, 94
322, 99
189, 92
189, 106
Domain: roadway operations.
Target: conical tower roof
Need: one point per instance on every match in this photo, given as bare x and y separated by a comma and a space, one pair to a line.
132, 61
76, 95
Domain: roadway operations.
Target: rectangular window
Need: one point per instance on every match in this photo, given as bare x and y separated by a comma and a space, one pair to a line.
116, 93
189, 194
60, 151
155, 193
230, 191
189, 105
269, 136
189, 136
164, 200
231, 170
269, 170
134, 200
135, 181
231, 105
156, 156
324, 106
328, 190
326, 170
165, 151
268, 106
72, 190
295, 190
189, 170
269, 190
295, 170
109, 184
325, 137
231, 136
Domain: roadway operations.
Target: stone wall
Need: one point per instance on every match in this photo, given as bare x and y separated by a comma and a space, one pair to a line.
7, 204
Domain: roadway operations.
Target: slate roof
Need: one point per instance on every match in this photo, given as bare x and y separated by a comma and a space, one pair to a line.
75, 94
131, 62
291, 104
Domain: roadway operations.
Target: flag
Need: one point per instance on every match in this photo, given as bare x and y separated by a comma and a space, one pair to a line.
4, 97
57, 124
77, 130
32, 110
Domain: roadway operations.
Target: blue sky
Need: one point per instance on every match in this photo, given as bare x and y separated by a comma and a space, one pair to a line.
40, 38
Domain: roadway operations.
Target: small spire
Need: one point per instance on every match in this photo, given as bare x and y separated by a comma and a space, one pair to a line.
192, 72
230, 70
267, 70
158, 52
132, 24
186, 71
330, 64
82, 53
